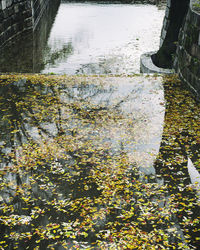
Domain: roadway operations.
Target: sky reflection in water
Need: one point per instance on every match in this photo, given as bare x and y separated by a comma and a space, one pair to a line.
98, 161
84, 161
102, 38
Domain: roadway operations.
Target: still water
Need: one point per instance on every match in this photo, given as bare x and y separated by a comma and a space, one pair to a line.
87, 38
98, 163
102, 38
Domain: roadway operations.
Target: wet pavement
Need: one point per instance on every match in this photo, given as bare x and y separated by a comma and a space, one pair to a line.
98, 162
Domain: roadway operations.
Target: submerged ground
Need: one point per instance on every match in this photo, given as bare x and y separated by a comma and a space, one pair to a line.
98, 163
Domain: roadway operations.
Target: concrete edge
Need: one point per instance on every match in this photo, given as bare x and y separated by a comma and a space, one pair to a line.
147, 65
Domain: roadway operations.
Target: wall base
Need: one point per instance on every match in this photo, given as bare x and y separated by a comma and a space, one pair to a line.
147, 65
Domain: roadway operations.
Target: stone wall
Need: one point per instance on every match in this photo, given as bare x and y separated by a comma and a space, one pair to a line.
187, 61
165, 23
15, 18
38, 7
31, 45
19, 16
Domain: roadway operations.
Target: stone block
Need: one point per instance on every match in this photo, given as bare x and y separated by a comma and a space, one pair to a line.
168, 3
13, 19
5, 14
194, 81
194, 66
184, 72
27, 14
8, 3
161, 42
28, 4
167, 12
3, 4
181, 38
11, 11
28, 22
198, 87
187, 43
22, 7
187, 57
163, 34
1, 28
199, 39
195, 19
1, 16
16, 8
195, 51
2, 40
5, 25
166, 23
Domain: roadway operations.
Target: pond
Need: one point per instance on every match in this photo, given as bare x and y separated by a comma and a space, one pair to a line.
88, 38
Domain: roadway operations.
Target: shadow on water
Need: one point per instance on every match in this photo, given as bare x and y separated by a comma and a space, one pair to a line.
66, 182
26, 53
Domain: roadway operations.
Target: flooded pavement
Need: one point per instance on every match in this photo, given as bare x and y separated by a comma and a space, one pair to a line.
98, 163
87, 38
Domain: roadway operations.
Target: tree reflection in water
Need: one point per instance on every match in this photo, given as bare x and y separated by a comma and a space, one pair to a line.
67, 175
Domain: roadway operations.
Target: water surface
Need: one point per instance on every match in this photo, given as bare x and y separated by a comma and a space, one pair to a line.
86, 38
102, 38
98, 162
